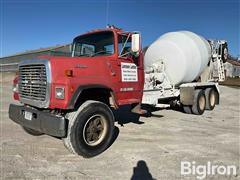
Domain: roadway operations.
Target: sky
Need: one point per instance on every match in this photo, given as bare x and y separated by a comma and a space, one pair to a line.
32, 24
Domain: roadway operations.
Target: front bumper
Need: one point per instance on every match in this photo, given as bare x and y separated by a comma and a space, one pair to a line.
44, 122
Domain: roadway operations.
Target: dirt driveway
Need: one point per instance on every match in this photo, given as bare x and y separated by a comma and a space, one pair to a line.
149, 148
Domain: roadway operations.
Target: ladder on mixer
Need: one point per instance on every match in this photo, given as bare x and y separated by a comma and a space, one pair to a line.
221, 73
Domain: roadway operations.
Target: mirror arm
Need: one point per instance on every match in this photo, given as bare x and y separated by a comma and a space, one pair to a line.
135, 54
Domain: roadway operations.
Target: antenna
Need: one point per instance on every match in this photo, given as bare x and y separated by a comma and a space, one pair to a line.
107, 12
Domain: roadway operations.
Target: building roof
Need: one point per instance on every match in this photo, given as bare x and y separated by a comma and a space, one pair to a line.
235, 63
233, 60
37, 50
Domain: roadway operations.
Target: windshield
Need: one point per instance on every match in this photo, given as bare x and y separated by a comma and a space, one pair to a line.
94, 45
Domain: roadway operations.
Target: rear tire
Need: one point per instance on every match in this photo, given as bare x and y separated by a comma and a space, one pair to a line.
32, 132
187, 109
211, 98
90, 129
199, 102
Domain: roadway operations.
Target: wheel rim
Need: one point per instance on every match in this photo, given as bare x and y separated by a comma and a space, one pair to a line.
95, 130
212, 99
202, 103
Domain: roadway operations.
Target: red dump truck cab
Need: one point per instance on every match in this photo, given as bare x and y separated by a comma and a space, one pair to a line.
65, 95
100, 67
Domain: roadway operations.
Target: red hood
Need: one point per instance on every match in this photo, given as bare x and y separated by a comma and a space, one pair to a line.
86, 71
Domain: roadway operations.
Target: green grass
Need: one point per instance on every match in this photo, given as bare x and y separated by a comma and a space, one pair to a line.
231, 82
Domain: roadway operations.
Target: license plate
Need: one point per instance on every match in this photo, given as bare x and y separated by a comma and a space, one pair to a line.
28, 115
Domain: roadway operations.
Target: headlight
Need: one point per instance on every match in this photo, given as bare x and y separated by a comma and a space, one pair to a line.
59, 93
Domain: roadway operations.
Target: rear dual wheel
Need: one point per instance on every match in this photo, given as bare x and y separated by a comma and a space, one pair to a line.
211, 98
199, 103
187, 109
203, 100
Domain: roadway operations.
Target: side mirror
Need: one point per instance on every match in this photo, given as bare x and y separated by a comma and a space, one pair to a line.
135, 43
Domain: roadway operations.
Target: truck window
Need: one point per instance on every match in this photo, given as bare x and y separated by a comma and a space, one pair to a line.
96, 44
84, 49
124, 45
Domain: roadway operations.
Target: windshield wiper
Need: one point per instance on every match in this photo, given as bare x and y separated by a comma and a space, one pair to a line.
88, 55
99, 52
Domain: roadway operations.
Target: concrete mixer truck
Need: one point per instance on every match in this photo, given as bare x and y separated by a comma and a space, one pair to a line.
73, 97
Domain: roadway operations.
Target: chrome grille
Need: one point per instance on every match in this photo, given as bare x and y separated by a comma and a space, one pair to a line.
34, 83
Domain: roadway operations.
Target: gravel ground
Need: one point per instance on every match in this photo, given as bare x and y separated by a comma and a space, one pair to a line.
148, 148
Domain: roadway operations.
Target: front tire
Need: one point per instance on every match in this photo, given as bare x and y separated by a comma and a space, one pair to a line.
90, 129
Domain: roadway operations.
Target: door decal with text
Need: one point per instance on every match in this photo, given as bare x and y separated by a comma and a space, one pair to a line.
129, 72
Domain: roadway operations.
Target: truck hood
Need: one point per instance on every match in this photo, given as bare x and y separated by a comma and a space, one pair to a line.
82, 67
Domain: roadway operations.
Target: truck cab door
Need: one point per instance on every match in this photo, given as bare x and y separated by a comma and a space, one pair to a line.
130, 84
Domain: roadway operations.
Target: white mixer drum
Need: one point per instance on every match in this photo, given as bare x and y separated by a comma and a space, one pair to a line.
184, 54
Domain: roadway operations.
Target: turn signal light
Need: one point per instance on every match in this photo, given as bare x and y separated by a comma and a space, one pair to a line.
68, 73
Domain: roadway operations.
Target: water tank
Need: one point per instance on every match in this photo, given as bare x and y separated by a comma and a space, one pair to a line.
184, 54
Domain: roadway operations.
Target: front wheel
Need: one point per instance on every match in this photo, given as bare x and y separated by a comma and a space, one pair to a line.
90, 129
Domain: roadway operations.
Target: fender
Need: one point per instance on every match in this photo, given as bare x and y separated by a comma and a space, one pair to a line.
80, 89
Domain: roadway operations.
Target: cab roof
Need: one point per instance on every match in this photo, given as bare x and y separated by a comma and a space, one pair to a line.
110, 28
